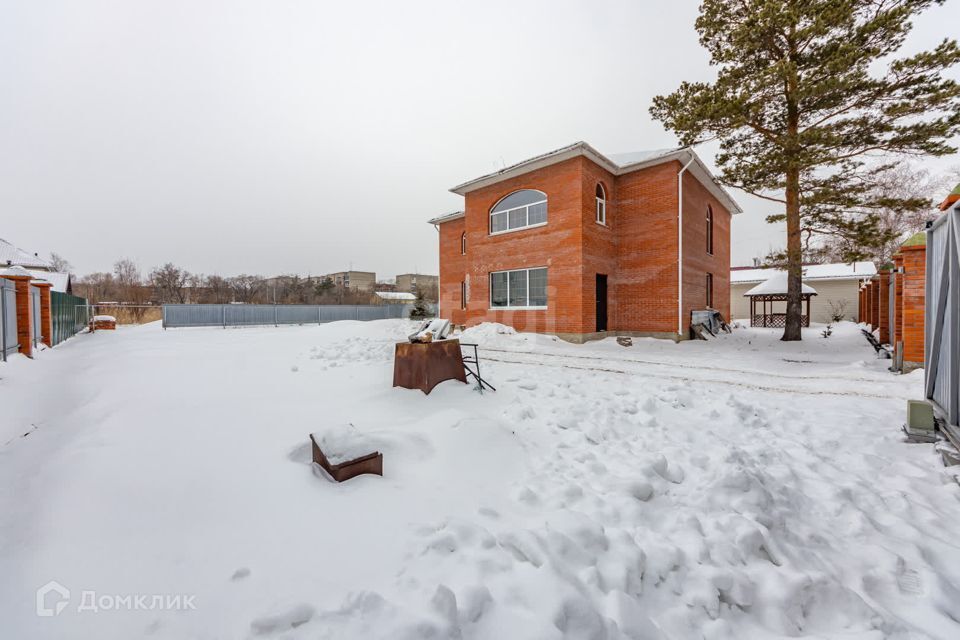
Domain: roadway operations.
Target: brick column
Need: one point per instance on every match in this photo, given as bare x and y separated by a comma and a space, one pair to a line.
914, 292
898, 299
46, 318
21, 280
883, 298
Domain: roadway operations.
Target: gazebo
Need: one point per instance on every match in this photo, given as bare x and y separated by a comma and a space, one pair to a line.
771, 291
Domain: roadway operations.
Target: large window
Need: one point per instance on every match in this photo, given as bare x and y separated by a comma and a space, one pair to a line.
519, 288
709, 229
601, 205
520, 209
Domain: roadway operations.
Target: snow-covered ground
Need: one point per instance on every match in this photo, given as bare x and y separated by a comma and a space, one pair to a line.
739, 488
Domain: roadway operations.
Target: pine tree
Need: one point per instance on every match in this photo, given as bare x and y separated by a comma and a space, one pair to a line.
802, 118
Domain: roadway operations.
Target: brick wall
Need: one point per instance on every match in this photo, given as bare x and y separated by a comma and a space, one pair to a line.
914, 292
696, 261
883, 314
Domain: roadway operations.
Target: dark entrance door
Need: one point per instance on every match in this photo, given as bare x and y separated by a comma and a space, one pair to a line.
601, 302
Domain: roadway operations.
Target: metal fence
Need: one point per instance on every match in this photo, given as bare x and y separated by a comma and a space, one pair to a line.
36, 331
942, 324
8, 319
68, 314
234, 315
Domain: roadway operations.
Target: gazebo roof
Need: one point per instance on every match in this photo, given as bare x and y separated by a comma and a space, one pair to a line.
776, 285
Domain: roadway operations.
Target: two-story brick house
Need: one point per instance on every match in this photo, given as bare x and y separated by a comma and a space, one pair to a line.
578, 244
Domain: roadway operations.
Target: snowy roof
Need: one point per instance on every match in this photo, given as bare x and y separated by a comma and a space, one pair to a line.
58, 279
617, 164
396, 295
15, 255
15, 270
776, 285
446, 217
834, 271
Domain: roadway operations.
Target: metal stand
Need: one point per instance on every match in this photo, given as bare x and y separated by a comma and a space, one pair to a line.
474, 360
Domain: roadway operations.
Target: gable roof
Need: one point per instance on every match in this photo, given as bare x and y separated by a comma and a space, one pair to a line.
17, 256
776, 285
446, 217
833, 271
617, 164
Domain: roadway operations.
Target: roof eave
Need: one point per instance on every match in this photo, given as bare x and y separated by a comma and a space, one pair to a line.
681, 154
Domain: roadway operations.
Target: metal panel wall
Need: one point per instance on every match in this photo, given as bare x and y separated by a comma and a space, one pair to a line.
69, 315
8, 319
232, 315
942, 317
36, 333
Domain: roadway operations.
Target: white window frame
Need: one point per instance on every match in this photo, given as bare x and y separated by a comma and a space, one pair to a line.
526, 214
601, 217
510, 307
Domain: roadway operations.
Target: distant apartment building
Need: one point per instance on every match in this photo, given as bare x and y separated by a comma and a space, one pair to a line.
355, 280
408, 282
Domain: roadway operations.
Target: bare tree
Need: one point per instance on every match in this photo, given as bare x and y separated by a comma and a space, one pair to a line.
898, 183
131, 289
59, 263
97, 287
246, 288
170, 283
218, 290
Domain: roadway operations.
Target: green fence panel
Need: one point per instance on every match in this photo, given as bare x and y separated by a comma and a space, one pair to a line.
69, 314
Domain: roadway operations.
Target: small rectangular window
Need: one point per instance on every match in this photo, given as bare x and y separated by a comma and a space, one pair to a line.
538, 287
709, 229
709, 290
498, 289
537, 213
498, 222
518, 288
463, 295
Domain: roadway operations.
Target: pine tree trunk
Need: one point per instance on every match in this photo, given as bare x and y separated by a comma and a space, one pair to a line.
793, 324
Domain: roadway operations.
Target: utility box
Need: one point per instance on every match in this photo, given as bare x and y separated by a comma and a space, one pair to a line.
920, 415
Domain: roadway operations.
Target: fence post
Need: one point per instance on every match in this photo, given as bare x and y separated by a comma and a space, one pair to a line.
357, 309
275, 323
223, 313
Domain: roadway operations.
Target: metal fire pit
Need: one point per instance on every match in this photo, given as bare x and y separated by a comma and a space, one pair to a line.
424, 365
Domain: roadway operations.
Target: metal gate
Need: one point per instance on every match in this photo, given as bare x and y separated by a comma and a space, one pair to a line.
8, 319
36, 331
942, 320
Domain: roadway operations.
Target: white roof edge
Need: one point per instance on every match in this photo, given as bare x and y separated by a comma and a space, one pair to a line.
702, 173
446, 217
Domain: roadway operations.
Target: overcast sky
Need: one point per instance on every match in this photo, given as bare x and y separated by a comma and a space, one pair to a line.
306, 136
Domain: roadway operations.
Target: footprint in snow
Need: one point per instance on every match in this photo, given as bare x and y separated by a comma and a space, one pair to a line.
240, 574
291, 619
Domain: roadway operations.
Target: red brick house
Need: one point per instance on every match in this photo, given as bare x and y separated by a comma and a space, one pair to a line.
579, 244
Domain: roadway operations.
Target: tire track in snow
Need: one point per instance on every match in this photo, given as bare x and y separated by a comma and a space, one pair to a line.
681, 365
744, 385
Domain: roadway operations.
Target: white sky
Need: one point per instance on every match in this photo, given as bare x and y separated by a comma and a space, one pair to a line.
303, 136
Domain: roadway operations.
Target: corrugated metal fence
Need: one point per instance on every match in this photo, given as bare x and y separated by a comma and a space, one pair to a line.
69, 315
942, 324
234, 315
8, 319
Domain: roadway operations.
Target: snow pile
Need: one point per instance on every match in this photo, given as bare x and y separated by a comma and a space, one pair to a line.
104, 319
343, 443
736, 488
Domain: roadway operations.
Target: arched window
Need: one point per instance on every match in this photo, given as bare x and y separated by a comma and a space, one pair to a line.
525, 208
709, 229
601, 205
463, 243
